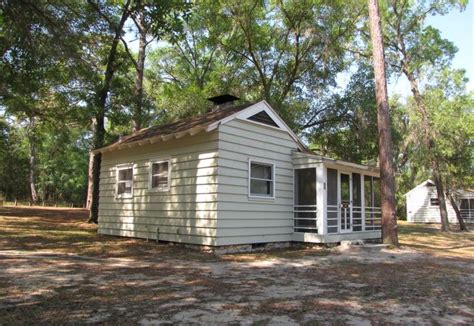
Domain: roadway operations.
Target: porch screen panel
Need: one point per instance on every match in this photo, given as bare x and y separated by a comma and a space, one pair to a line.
305, 201
332, 200
345, 202
356, 203
466, 209
471, 211
373, 211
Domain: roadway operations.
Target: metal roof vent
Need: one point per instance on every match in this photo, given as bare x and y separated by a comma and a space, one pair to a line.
222, 101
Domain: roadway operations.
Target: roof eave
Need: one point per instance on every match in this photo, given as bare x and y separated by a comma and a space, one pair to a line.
151, 140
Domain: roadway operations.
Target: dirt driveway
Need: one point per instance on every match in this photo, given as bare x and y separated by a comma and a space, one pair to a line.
54, 269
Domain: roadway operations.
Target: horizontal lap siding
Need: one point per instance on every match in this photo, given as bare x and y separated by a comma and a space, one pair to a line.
186, 213
242, 219
419, 209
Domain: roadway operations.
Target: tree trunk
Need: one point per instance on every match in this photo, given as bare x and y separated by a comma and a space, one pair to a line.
140, 68
387, 168
90, 173
90, 179
462, 225
100, 103
430, 148
441, 198
32, 161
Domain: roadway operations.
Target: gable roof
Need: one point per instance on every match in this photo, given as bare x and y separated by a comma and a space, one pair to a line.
194, 125
427, 182
467, 193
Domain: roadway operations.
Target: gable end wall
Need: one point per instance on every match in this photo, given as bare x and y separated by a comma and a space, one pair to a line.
244, 220
419, 209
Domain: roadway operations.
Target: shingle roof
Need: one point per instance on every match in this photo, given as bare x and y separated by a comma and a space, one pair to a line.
179, 126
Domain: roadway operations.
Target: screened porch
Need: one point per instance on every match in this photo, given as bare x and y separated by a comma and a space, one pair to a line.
335, 200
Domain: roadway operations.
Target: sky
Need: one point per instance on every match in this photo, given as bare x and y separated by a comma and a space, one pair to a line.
458, 27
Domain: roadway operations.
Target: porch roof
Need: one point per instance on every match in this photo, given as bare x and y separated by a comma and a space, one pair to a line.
305, 158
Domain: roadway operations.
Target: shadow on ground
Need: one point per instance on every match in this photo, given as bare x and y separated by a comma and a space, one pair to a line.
55, 269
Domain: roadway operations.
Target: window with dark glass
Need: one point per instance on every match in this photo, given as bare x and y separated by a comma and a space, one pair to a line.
434, 201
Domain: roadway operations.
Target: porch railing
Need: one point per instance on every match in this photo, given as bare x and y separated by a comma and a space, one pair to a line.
373, 218
467, 215
305, 218
333, 218
357, 224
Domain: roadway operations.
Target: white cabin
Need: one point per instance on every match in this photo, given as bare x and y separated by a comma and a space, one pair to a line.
423, 207
234, 176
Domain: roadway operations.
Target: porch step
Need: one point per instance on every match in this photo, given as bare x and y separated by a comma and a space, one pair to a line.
360, 244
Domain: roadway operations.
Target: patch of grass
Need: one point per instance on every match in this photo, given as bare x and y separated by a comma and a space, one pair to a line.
428, 238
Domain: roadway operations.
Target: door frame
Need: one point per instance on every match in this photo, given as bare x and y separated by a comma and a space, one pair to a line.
339, 201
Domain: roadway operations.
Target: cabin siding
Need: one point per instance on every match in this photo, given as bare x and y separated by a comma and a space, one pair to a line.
186, 213
419, 209
249, 220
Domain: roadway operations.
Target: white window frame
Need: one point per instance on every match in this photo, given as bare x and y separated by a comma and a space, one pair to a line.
261, 162
117, 169
150, 175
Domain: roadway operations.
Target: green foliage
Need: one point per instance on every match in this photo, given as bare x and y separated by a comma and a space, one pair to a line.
287, 52
349, 131
54, 53
411, 45
453, 120
63, 160
13, 163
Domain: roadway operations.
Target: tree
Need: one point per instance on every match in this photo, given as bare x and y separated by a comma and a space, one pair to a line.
348, 129
122, 12
162, 18
40, 46
195, 65
451, 110
287, 52
387, 171
414, 47
292, 50
152, 21
13, 162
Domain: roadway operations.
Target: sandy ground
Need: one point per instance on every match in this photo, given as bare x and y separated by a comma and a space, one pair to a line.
54, 269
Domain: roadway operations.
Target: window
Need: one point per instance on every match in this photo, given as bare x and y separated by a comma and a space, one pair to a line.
434, 201
160, 175
124, 181
261, 179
